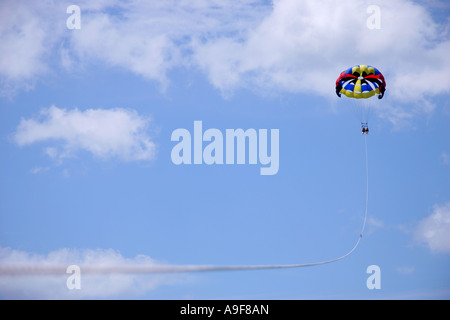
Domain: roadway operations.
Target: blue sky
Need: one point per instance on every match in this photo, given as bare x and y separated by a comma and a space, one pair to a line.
87, 176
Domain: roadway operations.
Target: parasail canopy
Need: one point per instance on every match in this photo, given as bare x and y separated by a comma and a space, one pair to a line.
361, 82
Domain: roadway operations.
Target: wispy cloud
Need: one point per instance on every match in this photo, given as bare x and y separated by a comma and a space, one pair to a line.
434, 230
37, 170
376, 223
403, 270
114, 133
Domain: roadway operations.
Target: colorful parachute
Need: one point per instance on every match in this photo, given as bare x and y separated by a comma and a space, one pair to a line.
361, 82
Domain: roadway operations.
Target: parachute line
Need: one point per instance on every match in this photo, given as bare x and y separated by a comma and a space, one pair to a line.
146, 269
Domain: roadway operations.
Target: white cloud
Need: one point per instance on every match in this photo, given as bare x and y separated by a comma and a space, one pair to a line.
151, 37
115, 133
287, 46
28, 32
147, 38
377, 223
92, 286
434, 230
302, 46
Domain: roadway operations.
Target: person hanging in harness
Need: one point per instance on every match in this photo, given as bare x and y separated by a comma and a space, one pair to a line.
365, 128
